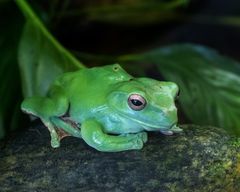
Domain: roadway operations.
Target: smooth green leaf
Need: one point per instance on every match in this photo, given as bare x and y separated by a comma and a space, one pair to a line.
41, 56
209, 82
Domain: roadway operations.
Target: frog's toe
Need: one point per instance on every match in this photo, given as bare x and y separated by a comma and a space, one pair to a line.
144, 137
138, 143
55, 143
176, 129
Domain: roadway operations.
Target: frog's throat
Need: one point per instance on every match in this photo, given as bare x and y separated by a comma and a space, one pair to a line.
147, 126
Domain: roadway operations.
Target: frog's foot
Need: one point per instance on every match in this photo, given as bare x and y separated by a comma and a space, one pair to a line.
55, 139
135, 140
143, 136
174, 129
139, 140
93, 135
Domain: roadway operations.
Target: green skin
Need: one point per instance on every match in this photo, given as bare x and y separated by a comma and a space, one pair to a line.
94, 104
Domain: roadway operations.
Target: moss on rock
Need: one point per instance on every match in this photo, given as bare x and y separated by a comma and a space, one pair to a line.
199, 159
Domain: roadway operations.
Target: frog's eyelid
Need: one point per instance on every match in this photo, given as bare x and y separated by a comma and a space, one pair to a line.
136, 102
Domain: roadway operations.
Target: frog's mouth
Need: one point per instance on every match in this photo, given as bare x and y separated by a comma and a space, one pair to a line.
160, 128
152, 127
166, 129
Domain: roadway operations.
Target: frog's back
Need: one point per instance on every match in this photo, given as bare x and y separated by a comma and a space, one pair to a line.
88, 88
109, 74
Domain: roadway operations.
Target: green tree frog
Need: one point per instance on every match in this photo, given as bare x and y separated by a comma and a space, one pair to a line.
106, 107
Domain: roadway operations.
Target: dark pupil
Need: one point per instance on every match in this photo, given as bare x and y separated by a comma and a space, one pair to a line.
136, 102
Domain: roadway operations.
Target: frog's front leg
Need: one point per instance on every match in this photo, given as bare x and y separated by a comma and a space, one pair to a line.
92, 133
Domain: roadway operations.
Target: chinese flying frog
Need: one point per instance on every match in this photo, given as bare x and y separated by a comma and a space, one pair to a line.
106, 107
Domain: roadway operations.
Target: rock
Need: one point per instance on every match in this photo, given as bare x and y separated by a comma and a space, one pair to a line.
199, 159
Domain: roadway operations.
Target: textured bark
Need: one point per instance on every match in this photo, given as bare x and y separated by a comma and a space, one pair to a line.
199, 159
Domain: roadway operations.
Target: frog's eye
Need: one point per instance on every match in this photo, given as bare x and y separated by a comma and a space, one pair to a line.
136, 102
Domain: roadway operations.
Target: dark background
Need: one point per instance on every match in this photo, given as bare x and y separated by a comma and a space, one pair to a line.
198, 22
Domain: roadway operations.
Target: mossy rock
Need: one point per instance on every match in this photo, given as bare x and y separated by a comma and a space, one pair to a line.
202, 159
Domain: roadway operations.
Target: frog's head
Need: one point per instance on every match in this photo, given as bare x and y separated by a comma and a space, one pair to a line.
147, 102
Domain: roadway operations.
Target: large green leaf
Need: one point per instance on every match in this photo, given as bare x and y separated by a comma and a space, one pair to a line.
209, 82
41, 56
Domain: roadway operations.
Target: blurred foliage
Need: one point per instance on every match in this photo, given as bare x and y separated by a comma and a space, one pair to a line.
126, 12
41, 57
11, 25
209, 81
